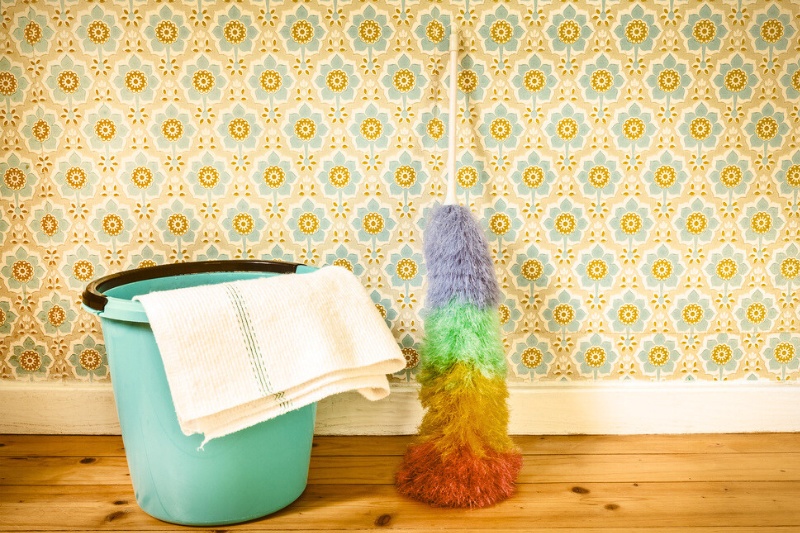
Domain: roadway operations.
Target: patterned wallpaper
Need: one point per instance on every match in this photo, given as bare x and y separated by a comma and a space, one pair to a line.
635, 164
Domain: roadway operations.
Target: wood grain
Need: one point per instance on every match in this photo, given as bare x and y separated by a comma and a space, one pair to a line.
371, 470
591, 484
716, 443
333, 507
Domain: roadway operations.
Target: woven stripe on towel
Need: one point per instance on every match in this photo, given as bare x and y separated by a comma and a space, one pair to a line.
239, 353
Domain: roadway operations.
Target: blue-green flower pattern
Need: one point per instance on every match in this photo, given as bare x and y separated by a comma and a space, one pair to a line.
432, 130
340, 177
106, 130
410, 351
662, 269
772, 31
700, 129
405, 176
32, 33
761, 222
342, 257
371, 130
501, 32
658, 356
500, 129
204, 82
406, 269
337, 81
69, 82
89, 359
535, 82
598, 268
143, 178
502, 223
563, 313
309, 224
669, 82
384, 307
302, 31
178, 224
565, 224
534, 176
721, 355
305, 130
637, 31
30, 360
566, 128
373, 224
666, 176
433, 31
634, 129
756, 312
766, 129
596, 356
569, 31
271, 81
244, 224
697, 223
274, 176
112, 224
785, 269
49, 224
18, 179
789, 178
628, 313
601, 81
704, 30
235, 31
531, 357
21, 270
600, 177
471, 81
692, 313
7, 317
99, 33
370, 31
783, 354
404, 81
631, 223
82, 267
726, 270
736, 81
471, 176
731, 175
57, 315
791, 81
533, 269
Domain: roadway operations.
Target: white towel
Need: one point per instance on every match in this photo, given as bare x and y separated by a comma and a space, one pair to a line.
242, 352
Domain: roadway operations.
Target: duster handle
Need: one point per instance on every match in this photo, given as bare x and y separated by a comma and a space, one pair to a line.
450, 199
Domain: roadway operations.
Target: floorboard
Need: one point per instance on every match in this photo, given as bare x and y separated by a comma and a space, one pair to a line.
709, 483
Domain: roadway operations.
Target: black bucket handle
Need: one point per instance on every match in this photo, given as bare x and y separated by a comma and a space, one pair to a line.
93, 297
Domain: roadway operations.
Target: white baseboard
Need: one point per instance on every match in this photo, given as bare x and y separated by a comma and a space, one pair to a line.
546, 409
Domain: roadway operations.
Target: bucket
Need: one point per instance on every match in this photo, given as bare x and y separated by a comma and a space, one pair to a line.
239, 477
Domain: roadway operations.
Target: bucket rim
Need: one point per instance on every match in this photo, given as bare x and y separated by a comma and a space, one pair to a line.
94, 298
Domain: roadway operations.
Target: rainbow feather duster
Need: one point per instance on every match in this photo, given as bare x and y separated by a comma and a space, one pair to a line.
463, 456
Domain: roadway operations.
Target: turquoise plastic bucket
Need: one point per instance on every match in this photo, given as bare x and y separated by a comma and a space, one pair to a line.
239, 477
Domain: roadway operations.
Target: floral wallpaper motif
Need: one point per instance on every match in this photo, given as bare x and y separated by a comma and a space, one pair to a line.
635, 165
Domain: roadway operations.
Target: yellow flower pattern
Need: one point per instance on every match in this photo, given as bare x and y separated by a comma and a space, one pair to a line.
640, 159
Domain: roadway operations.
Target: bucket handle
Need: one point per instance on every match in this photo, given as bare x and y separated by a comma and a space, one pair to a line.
94, 299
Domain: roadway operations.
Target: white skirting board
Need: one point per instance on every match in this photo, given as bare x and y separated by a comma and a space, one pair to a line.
546, 409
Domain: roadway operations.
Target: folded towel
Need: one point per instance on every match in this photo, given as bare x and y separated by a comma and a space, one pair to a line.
242, 352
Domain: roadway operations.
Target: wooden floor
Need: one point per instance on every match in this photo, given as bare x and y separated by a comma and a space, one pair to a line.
708, 483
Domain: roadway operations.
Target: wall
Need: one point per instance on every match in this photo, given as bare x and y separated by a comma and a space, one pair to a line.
635, 165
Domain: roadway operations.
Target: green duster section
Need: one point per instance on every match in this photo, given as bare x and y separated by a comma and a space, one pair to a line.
463, 332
